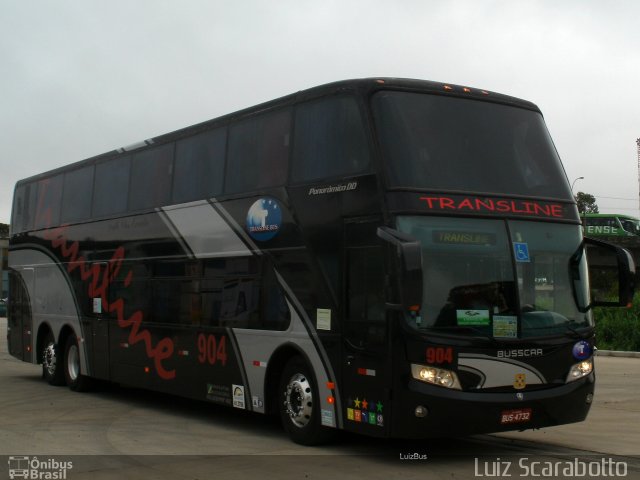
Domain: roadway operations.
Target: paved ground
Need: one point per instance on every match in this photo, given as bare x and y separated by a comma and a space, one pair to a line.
127, 433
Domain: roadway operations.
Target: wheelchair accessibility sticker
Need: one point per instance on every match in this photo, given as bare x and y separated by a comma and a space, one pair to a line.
521, 251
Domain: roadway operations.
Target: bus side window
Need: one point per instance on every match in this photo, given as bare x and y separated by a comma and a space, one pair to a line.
199, 166
330, 140
111, 186
258, 152
151, 178
49, 202
275, 309
77, 193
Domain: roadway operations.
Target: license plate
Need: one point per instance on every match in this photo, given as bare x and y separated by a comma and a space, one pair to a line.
520, 415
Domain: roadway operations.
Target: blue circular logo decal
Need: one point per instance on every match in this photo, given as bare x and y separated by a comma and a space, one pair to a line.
264, 219
582, 350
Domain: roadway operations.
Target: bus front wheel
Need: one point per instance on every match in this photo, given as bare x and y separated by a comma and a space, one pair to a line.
299, 404
52, 370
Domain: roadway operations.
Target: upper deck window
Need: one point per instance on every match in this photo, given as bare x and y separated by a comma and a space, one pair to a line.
111, 186
440, 143
258, 152
199, 166
330, 140
76, 196
49, 200
151, 177
24, 208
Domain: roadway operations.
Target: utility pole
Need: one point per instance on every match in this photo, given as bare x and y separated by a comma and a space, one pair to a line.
638, 143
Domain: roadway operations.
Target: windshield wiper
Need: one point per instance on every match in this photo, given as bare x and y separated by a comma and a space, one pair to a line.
572, 332
465, 328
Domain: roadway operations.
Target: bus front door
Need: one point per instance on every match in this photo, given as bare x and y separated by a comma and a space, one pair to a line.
367, 364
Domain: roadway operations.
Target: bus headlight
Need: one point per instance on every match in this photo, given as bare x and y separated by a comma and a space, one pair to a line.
435, 376
580, 370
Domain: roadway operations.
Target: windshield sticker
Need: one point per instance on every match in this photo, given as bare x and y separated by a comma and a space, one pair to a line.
521, 250
473, 317
505, 326
464, 238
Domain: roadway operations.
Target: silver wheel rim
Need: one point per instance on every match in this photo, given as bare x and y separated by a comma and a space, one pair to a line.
49, 359
298, 400
73, 363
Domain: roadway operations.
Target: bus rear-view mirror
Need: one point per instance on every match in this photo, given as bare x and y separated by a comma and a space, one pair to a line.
611, 272
407, 253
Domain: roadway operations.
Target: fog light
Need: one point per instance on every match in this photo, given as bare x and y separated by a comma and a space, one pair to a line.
421, 411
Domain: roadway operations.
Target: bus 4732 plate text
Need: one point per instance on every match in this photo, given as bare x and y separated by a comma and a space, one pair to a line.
520, 415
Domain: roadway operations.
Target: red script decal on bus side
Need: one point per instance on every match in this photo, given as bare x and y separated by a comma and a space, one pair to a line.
98, 284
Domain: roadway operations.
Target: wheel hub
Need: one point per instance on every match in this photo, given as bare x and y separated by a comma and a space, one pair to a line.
49, 359
298, 400
73, 363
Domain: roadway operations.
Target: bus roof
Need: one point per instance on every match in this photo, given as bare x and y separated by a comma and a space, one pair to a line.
607, 215
364, 86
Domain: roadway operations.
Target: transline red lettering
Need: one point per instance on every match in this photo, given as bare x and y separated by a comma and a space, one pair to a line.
489, 205
99, 282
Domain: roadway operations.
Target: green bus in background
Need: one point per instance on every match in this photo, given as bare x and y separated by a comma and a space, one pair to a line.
610, 224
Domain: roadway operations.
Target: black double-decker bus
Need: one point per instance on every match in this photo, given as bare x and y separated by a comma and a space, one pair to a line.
390, 257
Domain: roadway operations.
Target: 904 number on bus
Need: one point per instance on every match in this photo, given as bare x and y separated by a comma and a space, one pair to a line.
212, 349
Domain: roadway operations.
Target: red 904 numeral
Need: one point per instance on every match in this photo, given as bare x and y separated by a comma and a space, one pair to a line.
212, 350
439, 355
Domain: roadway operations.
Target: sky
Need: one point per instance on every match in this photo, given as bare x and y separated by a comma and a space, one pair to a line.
83, 77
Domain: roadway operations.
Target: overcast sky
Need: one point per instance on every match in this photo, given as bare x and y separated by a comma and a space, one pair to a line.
82, 77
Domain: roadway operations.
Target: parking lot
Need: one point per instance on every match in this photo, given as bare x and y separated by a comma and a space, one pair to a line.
118, 432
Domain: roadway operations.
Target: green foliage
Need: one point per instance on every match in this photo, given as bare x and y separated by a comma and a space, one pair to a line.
618, 328
586, 203
4, 230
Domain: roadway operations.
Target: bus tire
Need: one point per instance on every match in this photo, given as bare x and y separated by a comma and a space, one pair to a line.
52, 370
72, 370
299, 404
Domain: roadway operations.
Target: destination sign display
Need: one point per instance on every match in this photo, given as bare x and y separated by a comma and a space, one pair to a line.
452, 204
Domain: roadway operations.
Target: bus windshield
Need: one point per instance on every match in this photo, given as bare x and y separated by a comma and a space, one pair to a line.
630, 225
500, 278
440, 143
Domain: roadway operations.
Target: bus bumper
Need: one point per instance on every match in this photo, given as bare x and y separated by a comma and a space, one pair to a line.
455, 413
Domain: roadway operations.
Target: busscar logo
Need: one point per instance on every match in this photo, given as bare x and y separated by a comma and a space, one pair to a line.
520, 352
38, 469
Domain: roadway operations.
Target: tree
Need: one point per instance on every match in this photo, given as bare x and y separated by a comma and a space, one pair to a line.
586, 203
4, 230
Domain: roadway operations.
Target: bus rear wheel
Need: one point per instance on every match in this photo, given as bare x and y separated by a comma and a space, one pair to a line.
72, 371
52, 370
299, 404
